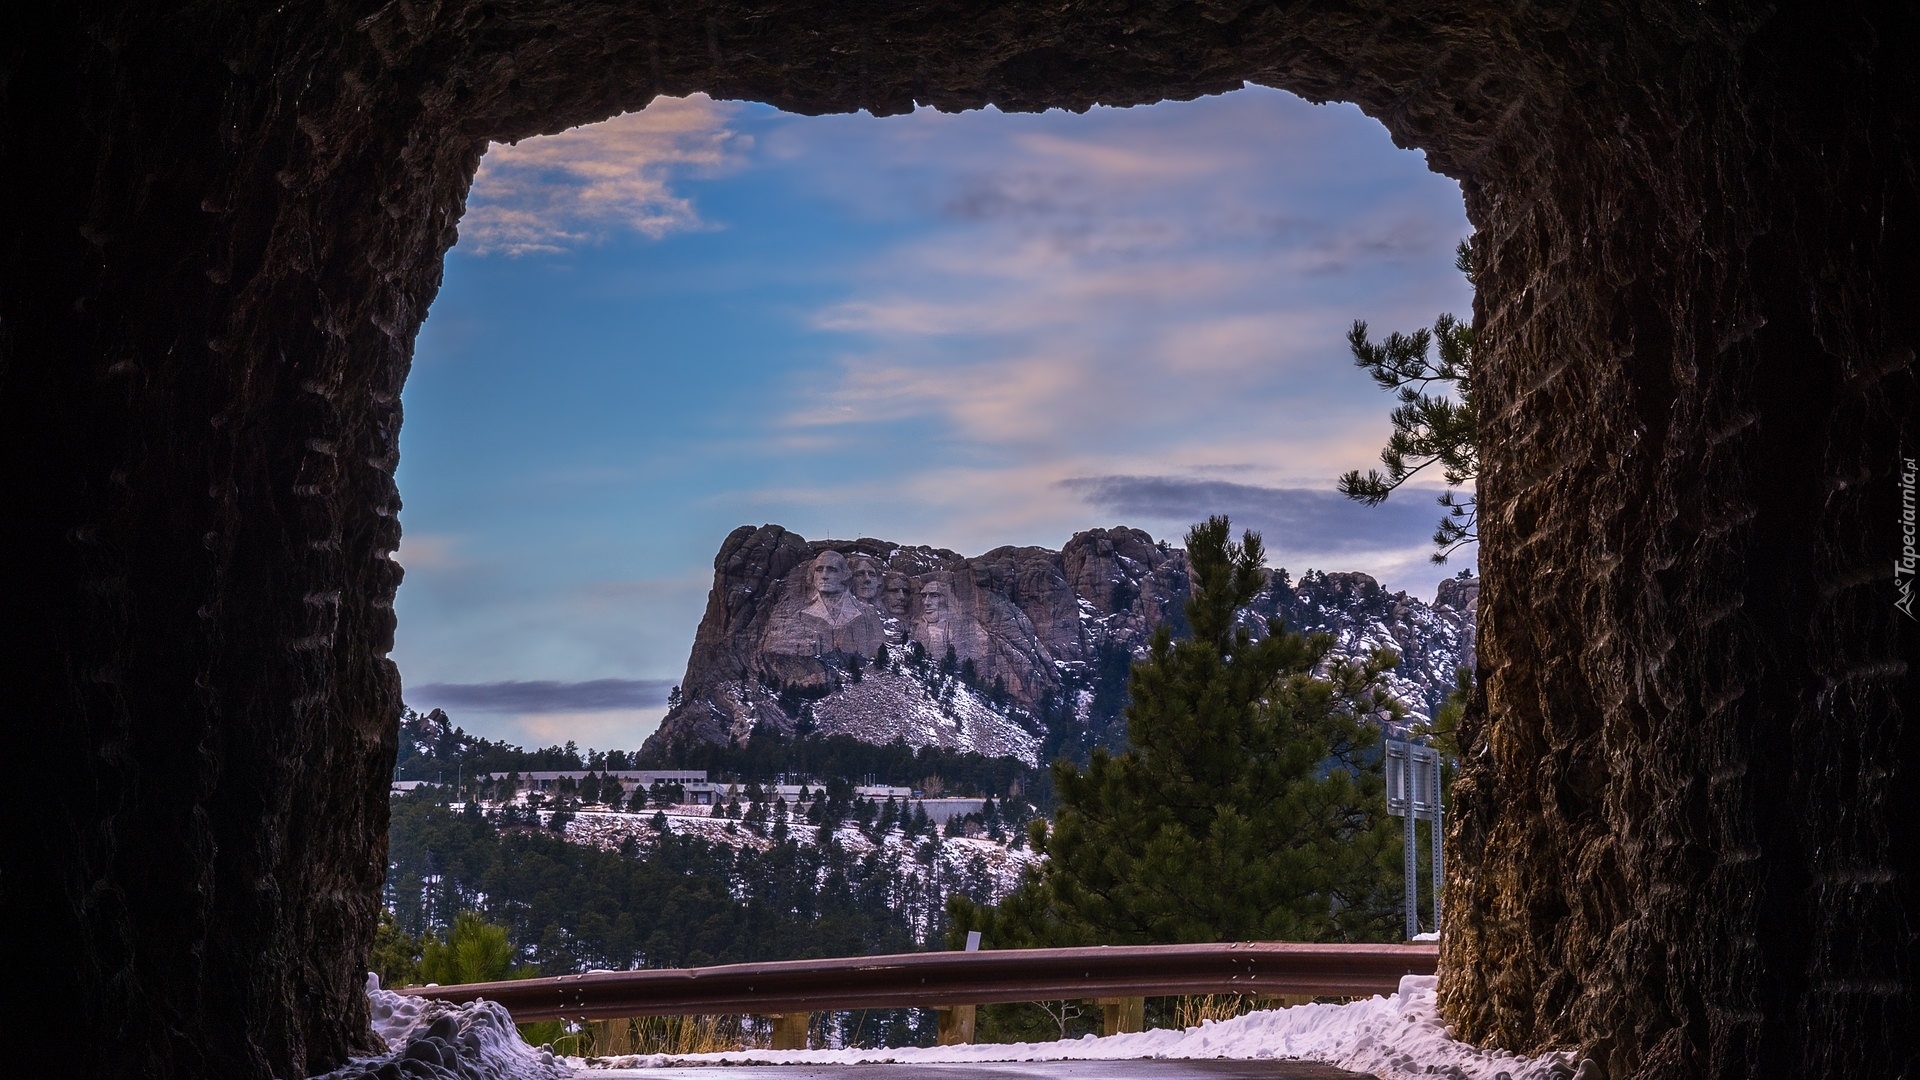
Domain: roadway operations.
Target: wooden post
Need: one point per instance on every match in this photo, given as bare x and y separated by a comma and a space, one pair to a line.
608, 1037
956, 1025
1124, 1014
790, 1030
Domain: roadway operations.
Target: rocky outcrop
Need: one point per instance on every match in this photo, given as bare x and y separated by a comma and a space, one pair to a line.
1433, 641
793, 626
788, 615
1682, 840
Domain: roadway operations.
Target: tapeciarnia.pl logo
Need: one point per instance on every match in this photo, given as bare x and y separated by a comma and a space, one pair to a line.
1903, 567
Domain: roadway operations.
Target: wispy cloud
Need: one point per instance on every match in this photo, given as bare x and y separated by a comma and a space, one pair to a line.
1142, 278
1307, 520
543, 696
608, 727
421, 551
554, 192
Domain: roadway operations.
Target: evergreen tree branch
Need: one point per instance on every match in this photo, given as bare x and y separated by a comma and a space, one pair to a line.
1440, 427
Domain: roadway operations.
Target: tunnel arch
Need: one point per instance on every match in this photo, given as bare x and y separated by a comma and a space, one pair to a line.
1681, 844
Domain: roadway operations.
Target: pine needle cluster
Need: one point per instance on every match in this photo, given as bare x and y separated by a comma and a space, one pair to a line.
1435, 423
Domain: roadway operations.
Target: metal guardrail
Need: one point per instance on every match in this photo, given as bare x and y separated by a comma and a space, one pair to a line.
927, 980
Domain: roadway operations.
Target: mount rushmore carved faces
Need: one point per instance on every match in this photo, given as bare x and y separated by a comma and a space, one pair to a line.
865, 578
935, 629
851, 604
898, 595
828, 575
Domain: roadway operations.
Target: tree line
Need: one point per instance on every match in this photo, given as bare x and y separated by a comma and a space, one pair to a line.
679, 900
435, 750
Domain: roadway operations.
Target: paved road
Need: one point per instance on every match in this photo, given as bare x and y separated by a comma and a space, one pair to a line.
1136, 1069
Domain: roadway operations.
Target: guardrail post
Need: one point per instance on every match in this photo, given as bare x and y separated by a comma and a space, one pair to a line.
956, 1025
1124, 1014
790, 1030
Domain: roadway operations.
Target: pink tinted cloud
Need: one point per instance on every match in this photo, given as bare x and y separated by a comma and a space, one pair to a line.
1081, 282
554, 192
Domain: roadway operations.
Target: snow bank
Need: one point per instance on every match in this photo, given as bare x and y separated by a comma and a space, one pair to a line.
434, 1040
1400, 1037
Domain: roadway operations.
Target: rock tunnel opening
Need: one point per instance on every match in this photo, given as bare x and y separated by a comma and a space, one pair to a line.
967, 330
1681, 843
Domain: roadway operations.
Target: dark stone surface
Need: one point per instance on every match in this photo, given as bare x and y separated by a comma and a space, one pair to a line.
1681, 842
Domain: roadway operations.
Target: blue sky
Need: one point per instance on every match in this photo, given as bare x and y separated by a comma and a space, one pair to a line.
964, 331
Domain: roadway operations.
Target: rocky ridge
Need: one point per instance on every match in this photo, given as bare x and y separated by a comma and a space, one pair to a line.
1016, 652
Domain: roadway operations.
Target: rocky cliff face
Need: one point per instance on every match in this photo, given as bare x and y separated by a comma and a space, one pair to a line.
999, 653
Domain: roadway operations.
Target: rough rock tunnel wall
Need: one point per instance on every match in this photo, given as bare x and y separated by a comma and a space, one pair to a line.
1679, 838
1681, 842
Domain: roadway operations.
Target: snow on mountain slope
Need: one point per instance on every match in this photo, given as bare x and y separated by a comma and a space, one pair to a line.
996, 652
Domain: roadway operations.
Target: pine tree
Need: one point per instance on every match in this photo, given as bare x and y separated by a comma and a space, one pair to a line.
1247, 806
396, 954
474, 950
1428, 429
780, 820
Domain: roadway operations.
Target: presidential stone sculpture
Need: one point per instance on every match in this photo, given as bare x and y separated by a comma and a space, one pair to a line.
792, 637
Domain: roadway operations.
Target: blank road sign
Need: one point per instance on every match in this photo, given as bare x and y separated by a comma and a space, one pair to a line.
1426, 764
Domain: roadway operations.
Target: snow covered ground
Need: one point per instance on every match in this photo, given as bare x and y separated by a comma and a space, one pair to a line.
1397, 1037
433, 1040
886, 705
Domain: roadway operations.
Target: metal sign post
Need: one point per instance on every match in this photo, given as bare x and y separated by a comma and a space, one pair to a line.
1413, 792
1434, 766
1407, 854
